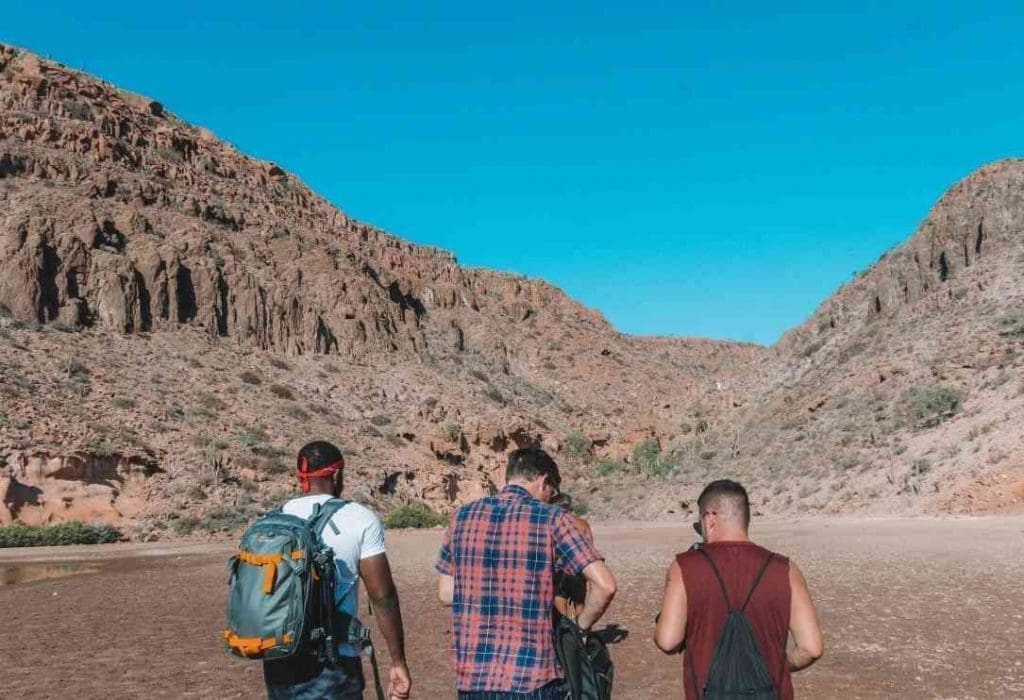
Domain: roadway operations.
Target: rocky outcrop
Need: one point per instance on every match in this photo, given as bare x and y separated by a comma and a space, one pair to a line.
39, 488
981, 216
117, 215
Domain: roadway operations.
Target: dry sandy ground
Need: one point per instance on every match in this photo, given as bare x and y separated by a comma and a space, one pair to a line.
911, 609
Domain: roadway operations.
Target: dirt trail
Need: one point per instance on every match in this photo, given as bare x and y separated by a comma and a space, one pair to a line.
911, 609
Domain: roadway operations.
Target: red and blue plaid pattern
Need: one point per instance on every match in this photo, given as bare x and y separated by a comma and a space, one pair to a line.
503, 552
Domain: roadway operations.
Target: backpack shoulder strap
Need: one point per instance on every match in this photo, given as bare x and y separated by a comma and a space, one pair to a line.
760, 575
721, 583
323, 516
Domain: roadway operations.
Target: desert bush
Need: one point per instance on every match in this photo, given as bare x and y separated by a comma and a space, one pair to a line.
452, 430
578, 447
931, 405
494, 395
225, 520
279, 364
251, 438
608, 467
580, 507
18, 535
297, 412
185, 525
380, 420
100, 447
250, 377
282, 392
648, 460
1012, 324
211, 402
414, 515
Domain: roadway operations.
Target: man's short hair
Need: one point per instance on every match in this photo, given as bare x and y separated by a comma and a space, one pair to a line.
726, 497
318, 455
529, 463
564, 500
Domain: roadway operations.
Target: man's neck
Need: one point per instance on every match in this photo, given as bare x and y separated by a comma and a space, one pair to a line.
734, 536
522, 485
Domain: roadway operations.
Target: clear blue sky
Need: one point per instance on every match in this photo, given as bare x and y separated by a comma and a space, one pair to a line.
712, 170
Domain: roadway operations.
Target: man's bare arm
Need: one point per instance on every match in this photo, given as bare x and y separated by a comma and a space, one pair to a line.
803, 623
670, 631
446, 589
380, 587
600, 592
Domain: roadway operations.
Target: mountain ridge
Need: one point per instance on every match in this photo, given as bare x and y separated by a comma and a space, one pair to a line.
176, 318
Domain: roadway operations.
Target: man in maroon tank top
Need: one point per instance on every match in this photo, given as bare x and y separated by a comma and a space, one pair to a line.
694, 608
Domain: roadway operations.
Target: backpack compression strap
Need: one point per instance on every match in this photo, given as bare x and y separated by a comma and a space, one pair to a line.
327, 470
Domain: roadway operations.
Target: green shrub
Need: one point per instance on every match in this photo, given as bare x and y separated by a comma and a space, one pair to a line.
251, 438
101, 447
211, 402
186, 525
607, 467
250, 377
578, 447
931, 405
580, 508
282, 392
61, 534
225, 520
123, 402
1012, 324
297, 412
414, 515
648, 460
453, 431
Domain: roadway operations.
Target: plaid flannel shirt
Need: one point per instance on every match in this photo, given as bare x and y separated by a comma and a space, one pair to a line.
503, 552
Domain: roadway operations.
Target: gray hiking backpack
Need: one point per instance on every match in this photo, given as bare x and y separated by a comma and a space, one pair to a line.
282, 597
738, 668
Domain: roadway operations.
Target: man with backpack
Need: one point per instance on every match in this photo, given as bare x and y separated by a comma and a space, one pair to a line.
571, 591
731, 605
497, 567
314, 551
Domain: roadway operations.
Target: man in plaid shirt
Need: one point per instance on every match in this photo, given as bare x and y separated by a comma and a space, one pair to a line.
497, 568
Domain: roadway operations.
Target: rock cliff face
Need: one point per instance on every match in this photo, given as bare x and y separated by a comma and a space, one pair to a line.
979, 220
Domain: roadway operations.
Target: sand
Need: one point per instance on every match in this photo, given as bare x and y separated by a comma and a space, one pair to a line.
911, 608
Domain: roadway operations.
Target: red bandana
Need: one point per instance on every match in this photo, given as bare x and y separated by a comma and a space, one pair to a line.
328, 470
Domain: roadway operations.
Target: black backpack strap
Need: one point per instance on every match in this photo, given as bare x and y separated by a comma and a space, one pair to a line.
721, 582
760, 575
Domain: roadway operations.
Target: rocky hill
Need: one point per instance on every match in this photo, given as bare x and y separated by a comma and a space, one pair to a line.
176, 318
180, 317
903, 392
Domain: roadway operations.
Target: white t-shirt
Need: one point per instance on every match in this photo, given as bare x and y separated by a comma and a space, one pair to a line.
360, 536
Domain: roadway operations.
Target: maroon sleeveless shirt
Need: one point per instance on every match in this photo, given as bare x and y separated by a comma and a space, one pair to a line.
767, 611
